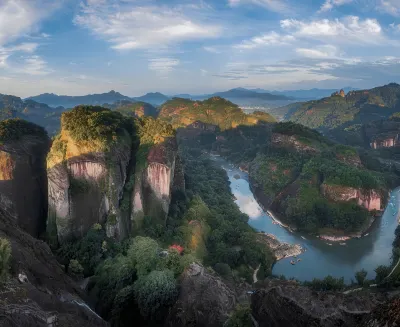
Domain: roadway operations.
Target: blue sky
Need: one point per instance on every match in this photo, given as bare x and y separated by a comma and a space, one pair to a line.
77, 47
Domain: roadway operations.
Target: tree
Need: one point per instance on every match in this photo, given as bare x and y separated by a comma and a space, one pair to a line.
143, 255
155, 292
360, 276
241, 317
5, 256
381, 273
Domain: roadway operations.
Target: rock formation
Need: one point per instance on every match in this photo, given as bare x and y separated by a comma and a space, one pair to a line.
204, 300
281, 250
38, 293
154, 183
87, 178
23, 180
291, 141
386, 142
369, 199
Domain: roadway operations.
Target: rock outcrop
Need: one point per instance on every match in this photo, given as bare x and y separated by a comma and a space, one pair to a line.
38, 293
23, 180
155, 182
87, 178
291, 141
369, 199
283, 304
281, 250
204, 300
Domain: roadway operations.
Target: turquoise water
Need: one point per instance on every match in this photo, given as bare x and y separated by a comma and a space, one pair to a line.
321, 258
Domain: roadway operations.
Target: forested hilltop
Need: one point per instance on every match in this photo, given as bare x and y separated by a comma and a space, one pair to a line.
343, 110
214, 111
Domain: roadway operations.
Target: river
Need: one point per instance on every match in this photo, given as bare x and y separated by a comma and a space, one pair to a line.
321, 258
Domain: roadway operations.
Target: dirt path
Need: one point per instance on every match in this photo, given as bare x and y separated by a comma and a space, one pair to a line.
255, 280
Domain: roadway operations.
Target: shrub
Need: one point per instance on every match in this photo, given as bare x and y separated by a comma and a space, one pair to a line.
155, 292
75, 267
360, 276
5, 257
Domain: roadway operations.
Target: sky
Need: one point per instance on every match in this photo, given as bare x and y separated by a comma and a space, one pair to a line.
76, 47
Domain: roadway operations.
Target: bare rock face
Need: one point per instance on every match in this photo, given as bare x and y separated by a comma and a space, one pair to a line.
281, 250
369, 199
154, 184
204, 300
38, 293
294, 306
23, 181
86, 189
387, 314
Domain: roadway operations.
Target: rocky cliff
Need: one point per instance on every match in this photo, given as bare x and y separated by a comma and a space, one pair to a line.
388, 141
369, 199
87, 173
37, 292
23, 180
154, 183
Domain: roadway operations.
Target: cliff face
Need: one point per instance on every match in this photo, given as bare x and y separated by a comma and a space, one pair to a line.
369, 199
291, 141
86, 189
204, 300
38, 292
23, 181
388, 142
154, 184
87, 171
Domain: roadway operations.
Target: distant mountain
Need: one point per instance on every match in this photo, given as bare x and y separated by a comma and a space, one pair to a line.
341, 110
72, 101
249, 94
38, 113
305, 94
155, 99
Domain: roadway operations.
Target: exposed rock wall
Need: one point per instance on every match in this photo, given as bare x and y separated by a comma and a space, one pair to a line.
154, 184
23, 182
204, 300
388, 142
369, 199
87, 189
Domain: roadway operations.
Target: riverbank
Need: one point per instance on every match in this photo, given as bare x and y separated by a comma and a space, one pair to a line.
281, 250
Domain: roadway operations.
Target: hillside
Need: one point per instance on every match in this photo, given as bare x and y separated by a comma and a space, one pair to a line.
133, 109
154, 98
38, 113
215, 111
341, 110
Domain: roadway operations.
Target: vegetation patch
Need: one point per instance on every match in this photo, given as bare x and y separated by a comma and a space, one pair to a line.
14, 129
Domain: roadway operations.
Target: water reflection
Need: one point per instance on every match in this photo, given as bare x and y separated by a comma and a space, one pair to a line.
321, 257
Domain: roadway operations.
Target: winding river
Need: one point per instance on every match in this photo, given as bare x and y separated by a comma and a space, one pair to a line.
321, 258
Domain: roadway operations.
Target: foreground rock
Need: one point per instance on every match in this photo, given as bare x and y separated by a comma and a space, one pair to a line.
87, 169
204, 300
38, 293
23, 180
283, 304
281, 250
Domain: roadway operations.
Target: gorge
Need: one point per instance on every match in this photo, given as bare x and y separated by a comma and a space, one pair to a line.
321, 258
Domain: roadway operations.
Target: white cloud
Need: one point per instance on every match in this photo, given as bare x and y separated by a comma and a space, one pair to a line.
19, 17
349, 29
211, 49
127, 26
34, 65
326, 51
391, 7
268, 39
330, 4
273, 5
203, 72
163, 65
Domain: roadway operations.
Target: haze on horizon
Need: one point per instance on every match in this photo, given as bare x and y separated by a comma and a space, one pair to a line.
76, 47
